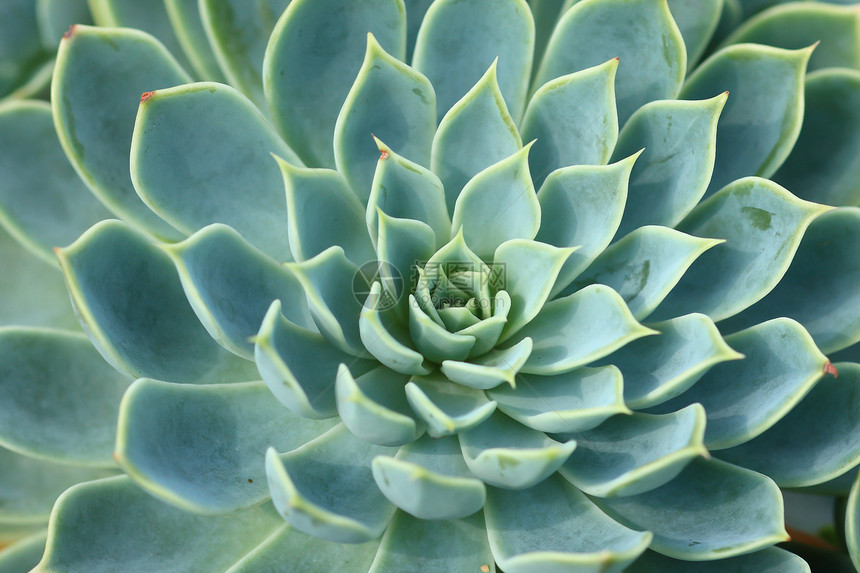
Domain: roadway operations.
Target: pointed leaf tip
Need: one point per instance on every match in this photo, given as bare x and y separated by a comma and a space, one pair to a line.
146, 95
829, 368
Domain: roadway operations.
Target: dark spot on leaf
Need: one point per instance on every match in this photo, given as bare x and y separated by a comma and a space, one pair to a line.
759, 218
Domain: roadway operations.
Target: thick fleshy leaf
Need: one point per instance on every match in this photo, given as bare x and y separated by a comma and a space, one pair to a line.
429, 479
432, 340
200, 447
653, 60
805, 447
310, 66
299, 366
820, 288
21, 44
433, 546
447, 408
326, 489
744, 512
823, 165
571, 402
231, 285
374, 407
30, 486
24, 554
59, 398
111, 525
238, 32
129, 299
55, 16
564, 335
798, 25
323, 212
697, 21
554, 527
388, 100
497, 205
666, 183
95, 125
762, 225
767, 560
188, 27
852, 523
458, 40
476, 132
406, 190
415, 12
491, 369
585, 204
762, 117
546, 14
486, 331
42, 201
33, 291
574, 121
645, 265
504, 453
402, 245
629, 455
743, 398
226, 174
658, 368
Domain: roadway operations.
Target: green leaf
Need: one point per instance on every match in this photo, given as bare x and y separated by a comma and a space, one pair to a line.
678, 139
326, 489
743, 398
111, 524
42, 201
852, 527
412, 544
415, 12
20, 47
744, 512
658, 368
800, 24
59, 398
311, 62
458, 40
299, 366
819, 289
226, 174
805, 447
445, 407
429, 479
199, 447
95, 125
402, 244
56, 16
487, 331
767, 560
128, 296
475, 133
187, 24
823, 165
491, 369
644, 266
585, 203
390, 101
697, 21
574, 121
374, 407
323, 212
574, 401
641, 33
564, 334
432, 340
629, 455
497, 205
762, 225
504, 453
762, 117
554, 527
24, 554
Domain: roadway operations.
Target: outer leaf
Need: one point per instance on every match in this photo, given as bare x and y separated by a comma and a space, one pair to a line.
95, 125
768, 560
310, 66
574, 121
762, 118
110, 524
852, 523
762, 224
325, 488
59, 398
554, 527
188, 26
198, 447
55, 16
21, 44
744, 512
24, 554
388, 100
697, 21
226, 174
447, 408
458, 40
642, 33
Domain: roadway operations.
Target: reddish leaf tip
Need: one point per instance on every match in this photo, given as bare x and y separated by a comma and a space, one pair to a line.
68, 33
383, 155
829, 368
145, 96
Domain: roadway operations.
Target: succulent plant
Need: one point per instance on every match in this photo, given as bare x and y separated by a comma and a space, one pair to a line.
437, 286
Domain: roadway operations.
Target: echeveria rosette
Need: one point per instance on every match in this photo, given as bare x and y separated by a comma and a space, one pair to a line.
534, 420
